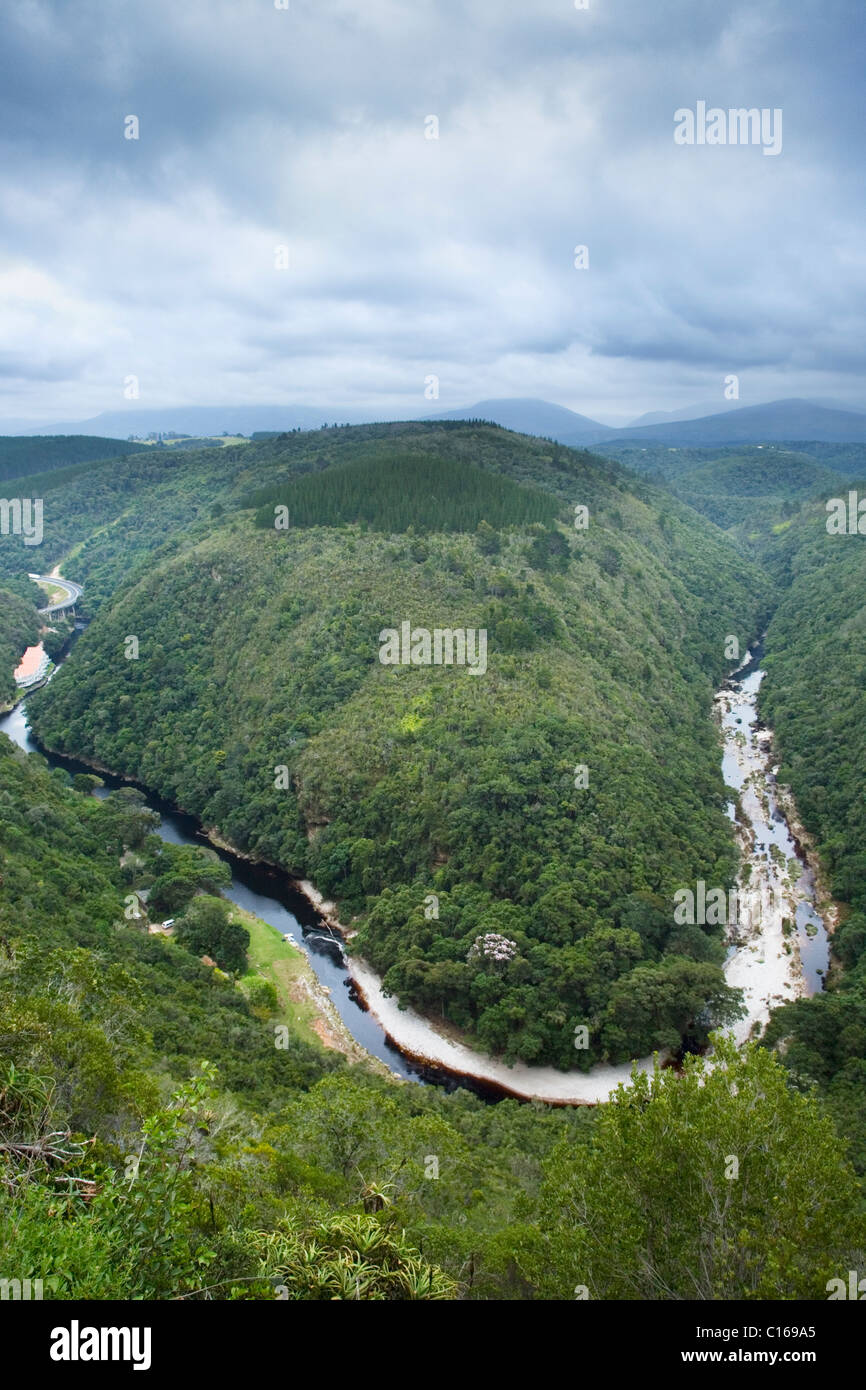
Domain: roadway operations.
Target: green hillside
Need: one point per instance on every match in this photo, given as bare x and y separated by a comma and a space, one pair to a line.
185, 1130
22, 455
815, 699
815, 696
394, 492
752, 488
259, 652
19, 628
155, 1144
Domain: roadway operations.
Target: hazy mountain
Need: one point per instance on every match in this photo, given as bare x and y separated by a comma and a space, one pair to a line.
776, 422
687, 412
205, 420
527, 416
531, 416
732, 423
828, 404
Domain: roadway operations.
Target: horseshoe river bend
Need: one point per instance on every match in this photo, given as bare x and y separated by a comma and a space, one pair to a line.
782, 954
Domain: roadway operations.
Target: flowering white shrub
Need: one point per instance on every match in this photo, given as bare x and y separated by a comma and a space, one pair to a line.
492, 946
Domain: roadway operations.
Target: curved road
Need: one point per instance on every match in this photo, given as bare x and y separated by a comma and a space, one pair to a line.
73, 592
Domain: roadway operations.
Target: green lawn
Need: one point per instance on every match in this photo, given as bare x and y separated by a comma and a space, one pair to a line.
286, 968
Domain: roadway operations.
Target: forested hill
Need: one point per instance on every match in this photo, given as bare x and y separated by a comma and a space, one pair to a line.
814, 697
155, 1144
557, 800
19, 628
22, 455
752, 488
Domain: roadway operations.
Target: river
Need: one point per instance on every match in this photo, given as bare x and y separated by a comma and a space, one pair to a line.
783, 951
271, 895
770, 965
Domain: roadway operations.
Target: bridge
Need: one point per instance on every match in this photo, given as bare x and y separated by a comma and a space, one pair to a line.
71, 591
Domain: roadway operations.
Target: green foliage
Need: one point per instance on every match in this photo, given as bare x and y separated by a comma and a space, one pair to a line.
813, 697
192, 870
346, 1257
131, 1171
355, 1188
23, 455
259, 651
97, 1232
85, 996
262, 995
114, 1188
19, 628
398, 492
722, 1183
743, 486
206, 928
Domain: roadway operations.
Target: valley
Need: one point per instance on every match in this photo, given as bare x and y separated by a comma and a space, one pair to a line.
436, 813
774, 894
432, 676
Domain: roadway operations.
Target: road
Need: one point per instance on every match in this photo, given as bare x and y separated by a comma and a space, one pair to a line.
73, 592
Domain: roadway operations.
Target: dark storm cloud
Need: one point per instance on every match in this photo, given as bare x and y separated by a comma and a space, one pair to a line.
305, 128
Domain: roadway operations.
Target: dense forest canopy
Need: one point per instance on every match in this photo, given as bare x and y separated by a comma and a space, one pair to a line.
23, 455
751, 487
19, 628
394, 492
154, 1143
815, 700
258, 651
554, 805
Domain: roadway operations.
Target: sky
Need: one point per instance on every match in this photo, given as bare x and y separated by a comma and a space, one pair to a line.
303, 135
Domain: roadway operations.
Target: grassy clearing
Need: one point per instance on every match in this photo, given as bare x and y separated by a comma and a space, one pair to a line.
56, 594
287, 970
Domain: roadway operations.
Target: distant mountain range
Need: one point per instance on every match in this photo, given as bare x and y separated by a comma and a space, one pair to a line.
775, 422
698, 412
201, 420
785, 421
693, 412
530, 416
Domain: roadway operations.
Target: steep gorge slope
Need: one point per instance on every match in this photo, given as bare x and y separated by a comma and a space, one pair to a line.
19, 628
815, 699
259, 703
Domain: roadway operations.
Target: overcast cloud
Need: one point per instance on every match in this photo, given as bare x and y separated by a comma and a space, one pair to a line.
262, 127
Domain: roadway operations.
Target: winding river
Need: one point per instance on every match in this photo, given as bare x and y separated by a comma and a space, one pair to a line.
782, 955
783, 951
275, 898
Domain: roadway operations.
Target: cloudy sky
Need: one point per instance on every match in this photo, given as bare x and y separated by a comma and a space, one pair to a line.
410, 257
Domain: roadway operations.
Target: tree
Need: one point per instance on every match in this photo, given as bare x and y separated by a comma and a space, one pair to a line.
721, 1183
206, 929
657, 1006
